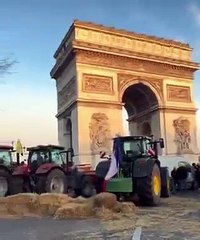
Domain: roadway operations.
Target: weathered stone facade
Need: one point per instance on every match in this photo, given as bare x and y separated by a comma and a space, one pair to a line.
99, 70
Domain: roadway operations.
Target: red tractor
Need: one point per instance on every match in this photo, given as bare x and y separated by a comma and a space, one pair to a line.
51, 169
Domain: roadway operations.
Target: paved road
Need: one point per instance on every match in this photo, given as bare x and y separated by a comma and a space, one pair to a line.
176, 218
45, 229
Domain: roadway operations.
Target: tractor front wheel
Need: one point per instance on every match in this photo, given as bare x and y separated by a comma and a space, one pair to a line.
149, 188
4, 182
56, 182
16, 185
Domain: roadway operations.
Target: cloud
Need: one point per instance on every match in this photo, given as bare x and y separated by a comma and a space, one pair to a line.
195, 11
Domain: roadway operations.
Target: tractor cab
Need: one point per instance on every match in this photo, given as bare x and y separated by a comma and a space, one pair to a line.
6, 156
6, 167
44, 154
132, 147
67, 157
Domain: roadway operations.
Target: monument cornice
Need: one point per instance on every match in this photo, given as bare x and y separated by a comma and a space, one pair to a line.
116, 61
61, 63
89, 103
97, 102
188, 110
125, 33
132, 54
180, 110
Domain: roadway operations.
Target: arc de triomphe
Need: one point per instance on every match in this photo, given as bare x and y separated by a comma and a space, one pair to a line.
99, 70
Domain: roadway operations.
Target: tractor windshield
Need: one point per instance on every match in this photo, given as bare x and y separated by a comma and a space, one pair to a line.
46, 156
39, 156
135, 147
5, 158
56, 157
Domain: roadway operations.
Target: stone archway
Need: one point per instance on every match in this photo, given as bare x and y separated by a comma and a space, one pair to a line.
99, 68
142, 106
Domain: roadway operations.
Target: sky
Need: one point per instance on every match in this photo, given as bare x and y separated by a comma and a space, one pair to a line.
30, 32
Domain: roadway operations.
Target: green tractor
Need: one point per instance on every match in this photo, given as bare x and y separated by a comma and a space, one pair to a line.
138, 170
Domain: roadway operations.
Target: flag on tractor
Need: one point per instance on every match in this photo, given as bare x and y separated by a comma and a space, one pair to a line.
19, 148
115, 160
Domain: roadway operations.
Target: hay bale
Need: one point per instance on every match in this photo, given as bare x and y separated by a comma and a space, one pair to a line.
50, 202
106, 200
22, 198
54, 199
3, 208
75, 210
2, 200
81, 199
23, 204
127, 207
103, 206
106, 214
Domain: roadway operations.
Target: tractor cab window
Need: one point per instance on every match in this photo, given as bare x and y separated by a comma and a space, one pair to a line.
5, 158
56, 157
132, 148
40, 157
147, 145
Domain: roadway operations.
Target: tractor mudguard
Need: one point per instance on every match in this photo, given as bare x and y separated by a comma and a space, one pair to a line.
46, 167
22, 170
143, 167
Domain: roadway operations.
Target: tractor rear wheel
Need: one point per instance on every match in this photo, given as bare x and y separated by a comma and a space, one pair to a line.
165, 182
149, 188
56, 182
4, 182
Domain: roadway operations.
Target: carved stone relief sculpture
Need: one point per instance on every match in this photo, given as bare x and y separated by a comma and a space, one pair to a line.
99, 131
97, 84
178, 93
182, 135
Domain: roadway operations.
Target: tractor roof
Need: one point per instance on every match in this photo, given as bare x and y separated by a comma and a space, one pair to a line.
45, 147
6, 147
129, 138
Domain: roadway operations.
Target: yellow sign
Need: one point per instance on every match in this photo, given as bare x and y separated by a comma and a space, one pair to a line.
19, 148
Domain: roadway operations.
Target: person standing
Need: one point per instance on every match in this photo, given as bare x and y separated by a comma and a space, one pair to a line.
173, 180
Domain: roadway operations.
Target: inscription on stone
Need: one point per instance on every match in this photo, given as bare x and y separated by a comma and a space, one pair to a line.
132, 44
97, 84
178, 93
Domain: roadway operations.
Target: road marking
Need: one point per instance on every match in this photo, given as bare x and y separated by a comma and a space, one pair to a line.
137, 233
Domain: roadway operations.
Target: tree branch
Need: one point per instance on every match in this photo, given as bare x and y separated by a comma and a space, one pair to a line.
5, 65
